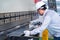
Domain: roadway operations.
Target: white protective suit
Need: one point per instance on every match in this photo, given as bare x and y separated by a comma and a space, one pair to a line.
51, 21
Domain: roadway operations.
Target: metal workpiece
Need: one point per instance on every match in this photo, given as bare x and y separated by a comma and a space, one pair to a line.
11, 25
4, 33
18, 32
22, 38
19, 35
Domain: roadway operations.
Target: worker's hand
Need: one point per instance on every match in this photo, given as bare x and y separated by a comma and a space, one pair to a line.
27, 33
37, 26
33, 26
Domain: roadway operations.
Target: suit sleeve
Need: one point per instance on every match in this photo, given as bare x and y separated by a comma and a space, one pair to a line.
33, 22
44, 25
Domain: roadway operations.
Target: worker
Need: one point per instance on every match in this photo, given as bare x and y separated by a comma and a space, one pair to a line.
51, 21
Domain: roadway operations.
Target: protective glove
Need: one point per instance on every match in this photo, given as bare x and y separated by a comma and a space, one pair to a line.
34, 25
27, 33
31, 26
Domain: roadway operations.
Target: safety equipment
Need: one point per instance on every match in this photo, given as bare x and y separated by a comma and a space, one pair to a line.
34, 24
35, 1
39, 4
27, 33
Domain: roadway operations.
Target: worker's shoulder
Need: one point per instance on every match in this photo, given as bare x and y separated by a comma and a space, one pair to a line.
51, 11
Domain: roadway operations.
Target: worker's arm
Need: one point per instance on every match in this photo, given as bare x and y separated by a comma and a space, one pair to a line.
36, 20
44, 25
32, 23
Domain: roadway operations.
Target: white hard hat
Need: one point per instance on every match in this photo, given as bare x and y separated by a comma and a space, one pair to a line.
39, 4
